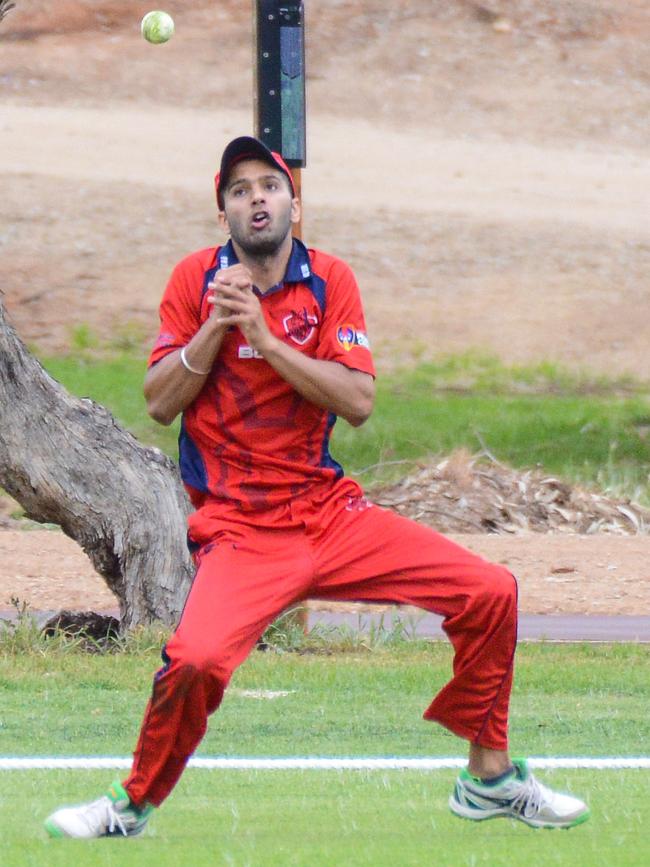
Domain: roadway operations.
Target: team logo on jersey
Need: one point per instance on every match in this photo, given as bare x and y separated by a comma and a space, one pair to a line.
348, 336
300, 326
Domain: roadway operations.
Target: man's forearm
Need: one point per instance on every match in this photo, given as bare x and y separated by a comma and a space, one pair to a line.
328, 384
170, 386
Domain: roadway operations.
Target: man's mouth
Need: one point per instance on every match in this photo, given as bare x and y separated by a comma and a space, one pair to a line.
260, 219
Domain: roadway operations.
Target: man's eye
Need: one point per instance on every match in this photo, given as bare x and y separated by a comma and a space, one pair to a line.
239, 191
271, 185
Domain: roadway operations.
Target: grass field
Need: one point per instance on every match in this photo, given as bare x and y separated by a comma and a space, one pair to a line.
340, 699
325, 819
569, 700
588, 700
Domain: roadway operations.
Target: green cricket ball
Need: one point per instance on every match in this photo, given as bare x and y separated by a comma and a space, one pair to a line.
157, 27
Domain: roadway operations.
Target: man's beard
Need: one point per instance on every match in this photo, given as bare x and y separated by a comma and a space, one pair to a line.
261, 247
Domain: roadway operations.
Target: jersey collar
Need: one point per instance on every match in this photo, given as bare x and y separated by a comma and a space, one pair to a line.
298, 267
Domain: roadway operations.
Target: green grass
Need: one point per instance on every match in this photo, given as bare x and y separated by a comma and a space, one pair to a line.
568, 700
583, 428
325, 819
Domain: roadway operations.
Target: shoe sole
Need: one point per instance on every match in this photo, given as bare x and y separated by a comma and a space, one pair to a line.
484, 815
58, 834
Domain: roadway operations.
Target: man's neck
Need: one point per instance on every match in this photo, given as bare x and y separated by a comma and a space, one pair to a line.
267, 271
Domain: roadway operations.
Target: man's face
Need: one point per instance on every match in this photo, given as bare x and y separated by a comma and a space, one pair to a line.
258, 207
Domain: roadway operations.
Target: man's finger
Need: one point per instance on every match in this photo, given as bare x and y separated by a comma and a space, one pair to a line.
5, 7
230, 303
234, 285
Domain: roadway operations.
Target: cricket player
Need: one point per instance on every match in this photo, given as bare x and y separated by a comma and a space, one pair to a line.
262, 345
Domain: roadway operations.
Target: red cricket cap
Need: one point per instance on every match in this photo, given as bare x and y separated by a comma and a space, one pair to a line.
242, 148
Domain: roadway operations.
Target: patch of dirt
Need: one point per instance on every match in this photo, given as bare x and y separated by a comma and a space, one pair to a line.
488, 183
482, 165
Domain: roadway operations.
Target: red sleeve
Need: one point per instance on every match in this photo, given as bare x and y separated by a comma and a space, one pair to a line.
181, 305
343, 334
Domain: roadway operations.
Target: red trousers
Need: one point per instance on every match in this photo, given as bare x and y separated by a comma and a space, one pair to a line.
342, 548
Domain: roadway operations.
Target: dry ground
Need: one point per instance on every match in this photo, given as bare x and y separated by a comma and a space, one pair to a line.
483, 166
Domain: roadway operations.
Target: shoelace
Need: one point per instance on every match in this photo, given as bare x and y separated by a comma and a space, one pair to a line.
530, 798
103, 815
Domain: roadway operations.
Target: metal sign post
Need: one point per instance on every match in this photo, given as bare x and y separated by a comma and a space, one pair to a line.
279, 102
279, 90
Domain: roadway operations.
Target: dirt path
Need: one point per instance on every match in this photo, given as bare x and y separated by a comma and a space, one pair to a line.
487, 181
489, 186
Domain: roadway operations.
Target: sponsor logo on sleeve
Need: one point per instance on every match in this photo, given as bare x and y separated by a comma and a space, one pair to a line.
349, 336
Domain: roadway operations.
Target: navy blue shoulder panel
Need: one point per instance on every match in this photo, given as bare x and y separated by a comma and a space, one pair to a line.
299, 270
319, 290
326, 459
299, 265
190, 461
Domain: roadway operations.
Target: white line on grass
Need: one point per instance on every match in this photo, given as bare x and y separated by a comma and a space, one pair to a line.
315, 764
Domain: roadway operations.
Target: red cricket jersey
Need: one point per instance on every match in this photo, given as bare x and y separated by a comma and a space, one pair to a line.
249, 439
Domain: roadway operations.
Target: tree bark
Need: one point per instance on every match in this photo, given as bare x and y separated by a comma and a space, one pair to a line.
67, 462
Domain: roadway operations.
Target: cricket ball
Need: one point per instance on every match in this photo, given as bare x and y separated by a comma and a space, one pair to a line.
157, 27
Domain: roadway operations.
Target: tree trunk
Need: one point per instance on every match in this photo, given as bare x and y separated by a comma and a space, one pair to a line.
67, 462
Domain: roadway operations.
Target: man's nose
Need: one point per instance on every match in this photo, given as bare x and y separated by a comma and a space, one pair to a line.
258, 193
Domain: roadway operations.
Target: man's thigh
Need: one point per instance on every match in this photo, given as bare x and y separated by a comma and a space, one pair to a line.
241, 584
373, 554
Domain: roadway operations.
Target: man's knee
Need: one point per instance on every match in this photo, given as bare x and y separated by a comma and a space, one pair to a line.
506, 584
195, 662
498, 589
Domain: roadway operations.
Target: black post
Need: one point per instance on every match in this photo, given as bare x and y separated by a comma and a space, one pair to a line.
280, 78
279, 98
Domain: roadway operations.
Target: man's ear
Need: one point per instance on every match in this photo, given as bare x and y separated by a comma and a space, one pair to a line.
223, 221
296, 210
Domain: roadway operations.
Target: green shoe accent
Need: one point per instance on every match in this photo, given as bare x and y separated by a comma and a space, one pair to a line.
518, 796
52, 830
118, 794
112, 815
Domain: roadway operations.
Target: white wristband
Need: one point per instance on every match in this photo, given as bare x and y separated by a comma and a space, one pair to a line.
189, 367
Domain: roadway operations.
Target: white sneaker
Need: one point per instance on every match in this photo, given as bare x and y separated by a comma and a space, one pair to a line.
520, 796
113, 815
